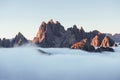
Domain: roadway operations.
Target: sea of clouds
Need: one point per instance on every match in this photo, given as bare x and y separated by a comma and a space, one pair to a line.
27, 63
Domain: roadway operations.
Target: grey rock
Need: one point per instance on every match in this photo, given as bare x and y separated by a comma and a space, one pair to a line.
0, 42
5, 43
19, 40
89, 48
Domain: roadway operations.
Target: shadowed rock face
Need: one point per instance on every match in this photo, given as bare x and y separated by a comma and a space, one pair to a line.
102, 49
5, 43
71, 36
53, 34
19, 40
0, 43
115, 37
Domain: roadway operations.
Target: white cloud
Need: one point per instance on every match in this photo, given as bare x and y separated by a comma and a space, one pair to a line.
26, 63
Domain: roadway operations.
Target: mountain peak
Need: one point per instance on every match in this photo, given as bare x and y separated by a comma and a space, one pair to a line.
43, 22
96, 32
74, 26
19, 39
82, 30
19, 34
57, 22
51, 21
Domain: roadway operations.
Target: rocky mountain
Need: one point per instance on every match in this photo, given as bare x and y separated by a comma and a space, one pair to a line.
115, 37
50, 34
17, 41
53, 34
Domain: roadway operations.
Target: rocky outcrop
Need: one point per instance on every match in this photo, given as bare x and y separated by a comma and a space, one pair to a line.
102, 40
83, 46
19, 40
49, 34
107, 42
88, 48
79, 45
53, 34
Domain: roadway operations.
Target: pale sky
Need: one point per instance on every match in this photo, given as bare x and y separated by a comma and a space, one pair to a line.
25, 16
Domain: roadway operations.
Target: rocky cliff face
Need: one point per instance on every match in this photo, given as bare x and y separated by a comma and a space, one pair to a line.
19, 40
79, 45
53, 34
107, 42
71, 36
49, 34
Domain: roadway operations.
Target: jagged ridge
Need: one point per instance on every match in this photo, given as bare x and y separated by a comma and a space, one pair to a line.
53, 34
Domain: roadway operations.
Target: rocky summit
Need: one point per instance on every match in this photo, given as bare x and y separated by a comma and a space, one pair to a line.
53, 34
19, 40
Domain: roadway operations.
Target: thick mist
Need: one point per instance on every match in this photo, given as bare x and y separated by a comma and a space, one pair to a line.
27, 63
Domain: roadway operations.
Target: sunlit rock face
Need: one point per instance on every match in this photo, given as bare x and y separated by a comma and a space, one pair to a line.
95, 41
102, 40
107, 42
53, 34
79, 45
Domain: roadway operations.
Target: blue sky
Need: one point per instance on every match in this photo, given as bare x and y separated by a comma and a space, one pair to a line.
25, 16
